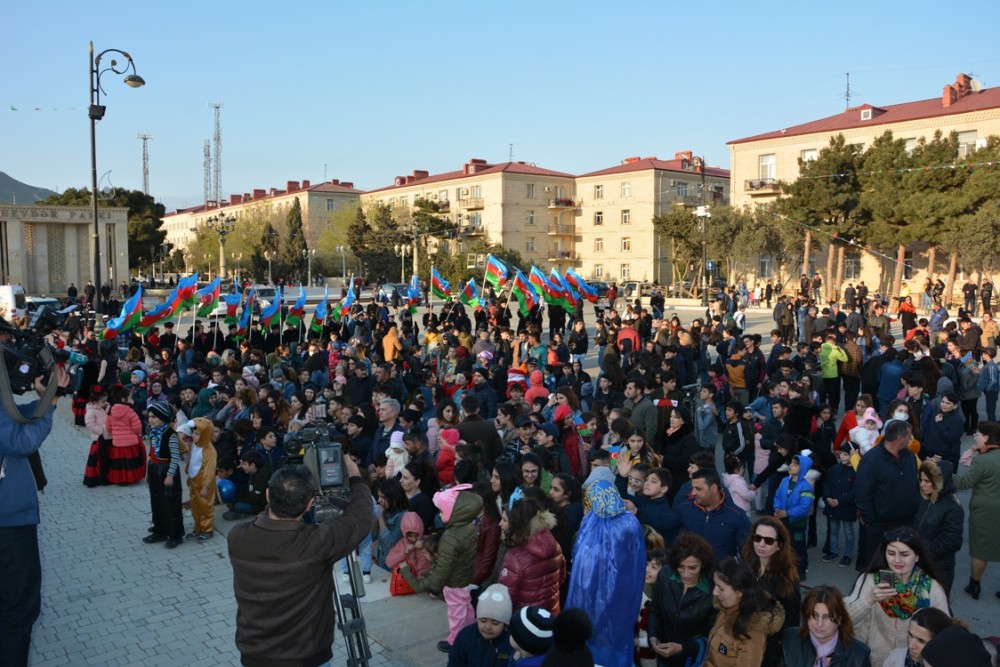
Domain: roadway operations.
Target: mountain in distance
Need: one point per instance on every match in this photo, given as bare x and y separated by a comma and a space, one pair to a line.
14, 191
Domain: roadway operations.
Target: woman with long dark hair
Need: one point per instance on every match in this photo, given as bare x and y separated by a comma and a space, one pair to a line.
679, 444
504, 481
419, 481
393, 503
747, 617
771, 556
827, 636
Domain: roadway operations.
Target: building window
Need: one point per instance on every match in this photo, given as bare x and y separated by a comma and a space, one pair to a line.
857, 148
598, 271
966, 143
764, 267
331, 205
808, 155
682, 189
599, 218
476, 219
403, 202
852, 265
598, 192
530, 191
477, 191
910, 144
443, 195
626, 216
529, 244
766, 163
626, 272
458, 194
599, 244
626, 244
908, 265
626, 188
529, 219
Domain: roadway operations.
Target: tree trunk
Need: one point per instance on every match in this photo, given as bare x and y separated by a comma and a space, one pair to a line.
950, 282
841, 252
931, 260
831, 253
807, 250
897, 279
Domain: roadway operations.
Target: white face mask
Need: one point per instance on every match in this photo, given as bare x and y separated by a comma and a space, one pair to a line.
901, 415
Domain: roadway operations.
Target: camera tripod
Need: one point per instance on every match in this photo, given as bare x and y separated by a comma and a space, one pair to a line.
353, 629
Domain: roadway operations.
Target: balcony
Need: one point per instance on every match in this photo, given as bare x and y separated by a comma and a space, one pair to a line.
762, 186
472, 230
444, 206
563, 202
556, 229
562, 256
471, 204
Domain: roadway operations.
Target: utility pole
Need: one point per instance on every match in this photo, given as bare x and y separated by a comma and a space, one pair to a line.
217, 173
145, 160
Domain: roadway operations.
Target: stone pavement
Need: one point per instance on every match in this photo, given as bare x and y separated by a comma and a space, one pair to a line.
109, 599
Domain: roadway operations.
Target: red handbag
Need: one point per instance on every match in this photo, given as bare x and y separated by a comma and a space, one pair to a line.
398, 585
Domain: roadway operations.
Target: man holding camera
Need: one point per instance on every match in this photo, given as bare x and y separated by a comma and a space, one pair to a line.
21, 583
283, 570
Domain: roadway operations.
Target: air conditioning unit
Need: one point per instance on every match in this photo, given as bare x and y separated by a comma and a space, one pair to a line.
548, 189
465, 192
434, 197
673, 183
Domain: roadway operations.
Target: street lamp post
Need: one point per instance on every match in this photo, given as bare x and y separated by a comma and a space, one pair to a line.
96, 113
268, 255
223, 226
343, 261
308, 256
402, 250
703, 213
237, 257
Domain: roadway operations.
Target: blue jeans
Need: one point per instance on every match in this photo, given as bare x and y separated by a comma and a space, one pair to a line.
365, 549
836, 526
244, 508
991, 405
600, 357
577, 357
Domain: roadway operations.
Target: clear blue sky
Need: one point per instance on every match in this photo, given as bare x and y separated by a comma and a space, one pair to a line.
369, 90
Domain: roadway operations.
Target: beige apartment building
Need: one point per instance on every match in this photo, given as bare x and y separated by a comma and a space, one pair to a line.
616, 241
317, 203
514, 204
759, 162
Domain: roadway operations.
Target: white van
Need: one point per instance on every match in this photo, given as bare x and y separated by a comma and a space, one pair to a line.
12, 301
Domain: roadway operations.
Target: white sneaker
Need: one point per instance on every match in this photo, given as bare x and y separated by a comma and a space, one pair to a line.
367, 578
345, 577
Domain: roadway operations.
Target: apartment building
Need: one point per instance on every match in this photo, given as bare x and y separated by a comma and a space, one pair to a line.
616, 240
317, 202
514, 204
759, 162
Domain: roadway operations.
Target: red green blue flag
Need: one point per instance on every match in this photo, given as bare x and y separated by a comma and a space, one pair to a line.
586, 290
208, 297
298, 311
348, 301
570, 297
413, 295
268, 314
439, 286
549, 293
319, 315
130, 316
524, 293
187, 288
496, 272
470, 294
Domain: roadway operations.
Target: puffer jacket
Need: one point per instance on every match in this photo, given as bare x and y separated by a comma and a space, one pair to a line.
725, 649
456, 550
96, 420
799, 652
487, 547
417, 559
940, 521
533, 571
123, 426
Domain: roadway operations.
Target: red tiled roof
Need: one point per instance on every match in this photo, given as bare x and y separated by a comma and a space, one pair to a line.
481, 169
894, 113
646, 163
330, 187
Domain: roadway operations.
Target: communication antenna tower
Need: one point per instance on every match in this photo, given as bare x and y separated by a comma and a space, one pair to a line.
217, 173
847, 93
207, 163
145, 160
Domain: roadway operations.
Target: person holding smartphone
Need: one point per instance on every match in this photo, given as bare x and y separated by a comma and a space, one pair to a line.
902, 580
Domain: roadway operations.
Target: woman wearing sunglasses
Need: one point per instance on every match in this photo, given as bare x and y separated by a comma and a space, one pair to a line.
827, 637
901, 580
770, 554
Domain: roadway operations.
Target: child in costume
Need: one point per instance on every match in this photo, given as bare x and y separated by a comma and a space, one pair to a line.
201, 481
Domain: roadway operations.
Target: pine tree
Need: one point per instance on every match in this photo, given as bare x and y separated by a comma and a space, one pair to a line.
295, 244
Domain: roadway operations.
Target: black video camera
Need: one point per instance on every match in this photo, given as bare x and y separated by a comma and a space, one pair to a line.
314, 448
27, 355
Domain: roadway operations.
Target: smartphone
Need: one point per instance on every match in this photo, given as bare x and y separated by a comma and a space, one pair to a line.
886, 577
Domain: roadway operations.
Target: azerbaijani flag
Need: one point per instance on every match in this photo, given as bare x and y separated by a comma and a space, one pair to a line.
439, 286
549, 293
319, 316
267, 315
413, 295
131, 315
496, 272
470, 294
582, 286
348, 301
244, 323
570, 297
187, 288
298, 311
233, 302
208, 297
164, 311
524, 293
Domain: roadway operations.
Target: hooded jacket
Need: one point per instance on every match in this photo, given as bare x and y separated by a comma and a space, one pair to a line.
208, 456
533, 571
417, 559
123, 426
456, 550
725, 649
796, 497
940, 517
392, 348
839, 485
537, 388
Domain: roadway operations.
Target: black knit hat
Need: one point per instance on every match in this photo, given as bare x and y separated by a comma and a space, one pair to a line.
531, 628
163, 411
956, 646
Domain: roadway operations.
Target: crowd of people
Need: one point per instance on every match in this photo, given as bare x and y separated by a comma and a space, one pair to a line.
680, 484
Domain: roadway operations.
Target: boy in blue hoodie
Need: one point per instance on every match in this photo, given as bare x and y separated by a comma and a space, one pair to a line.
792, 504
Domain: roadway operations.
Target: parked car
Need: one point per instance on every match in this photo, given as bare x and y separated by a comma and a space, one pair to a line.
402, 289
32, 304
